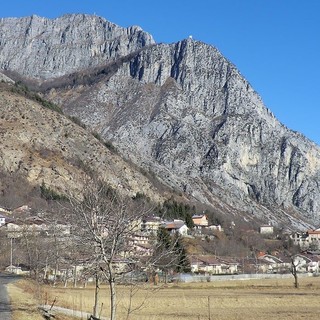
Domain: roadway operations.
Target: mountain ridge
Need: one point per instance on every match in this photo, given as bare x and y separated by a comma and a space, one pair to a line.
32, 37
185, 112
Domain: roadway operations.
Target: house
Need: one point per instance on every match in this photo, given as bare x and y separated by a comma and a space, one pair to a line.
266, 229
58, 229
301, 262
267, 263
200, 220
151, 224
212, 265
314, 238
20, 269
215, 228
300, 239
140, 244
305, 240
4, 216
3, 219
283, 264
32, 225
139, 238
37, 226
176, 226
229, 265
314, 265
314, 234
205, 264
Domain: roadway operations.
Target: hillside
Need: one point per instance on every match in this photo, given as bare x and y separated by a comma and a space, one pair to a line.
41, 146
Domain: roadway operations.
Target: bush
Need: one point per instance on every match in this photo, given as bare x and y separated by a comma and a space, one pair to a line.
49, 194
110, 146
97, 136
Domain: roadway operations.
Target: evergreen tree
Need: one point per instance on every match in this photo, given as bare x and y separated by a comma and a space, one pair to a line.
164, 239
189, 221
182, 263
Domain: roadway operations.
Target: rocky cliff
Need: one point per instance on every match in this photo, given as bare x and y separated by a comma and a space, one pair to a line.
43, 48
185, 112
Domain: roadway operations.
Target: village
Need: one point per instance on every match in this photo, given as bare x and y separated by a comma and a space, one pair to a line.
20, 225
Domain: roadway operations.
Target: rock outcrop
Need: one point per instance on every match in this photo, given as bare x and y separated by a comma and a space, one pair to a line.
184, 112
43, 48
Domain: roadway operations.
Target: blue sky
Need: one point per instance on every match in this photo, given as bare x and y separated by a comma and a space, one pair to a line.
274, 43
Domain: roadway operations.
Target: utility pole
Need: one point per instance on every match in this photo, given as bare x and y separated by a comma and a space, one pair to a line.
11, 253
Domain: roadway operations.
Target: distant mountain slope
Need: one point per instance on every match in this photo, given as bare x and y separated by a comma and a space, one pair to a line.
185, 112
43, 146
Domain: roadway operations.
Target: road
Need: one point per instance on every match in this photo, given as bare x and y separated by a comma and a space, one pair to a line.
5, 309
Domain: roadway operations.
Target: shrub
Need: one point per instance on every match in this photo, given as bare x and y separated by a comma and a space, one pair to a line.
97, 136
49, 194
110, 146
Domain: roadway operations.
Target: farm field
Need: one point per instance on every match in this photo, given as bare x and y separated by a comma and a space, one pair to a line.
223, 300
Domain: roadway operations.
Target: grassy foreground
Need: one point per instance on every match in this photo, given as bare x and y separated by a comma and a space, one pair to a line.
230, 300
24, 301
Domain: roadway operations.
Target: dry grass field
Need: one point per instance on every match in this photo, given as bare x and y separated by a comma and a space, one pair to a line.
25, 302
230, 300
24, 306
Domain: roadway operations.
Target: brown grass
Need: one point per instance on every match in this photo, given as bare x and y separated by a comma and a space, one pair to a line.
25, 301
24, 305
230, 300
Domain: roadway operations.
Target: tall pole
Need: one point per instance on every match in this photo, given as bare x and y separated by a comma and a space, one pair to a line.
11, 254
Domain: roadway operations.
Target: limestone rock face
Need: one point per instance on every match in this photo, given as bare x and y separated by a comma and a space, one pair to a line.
185, 112
181, 110
44, 48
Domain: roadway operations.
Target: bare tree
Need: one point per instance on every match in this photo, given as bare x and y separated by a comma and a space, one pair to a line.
33, 249
294, 271
103, 223
134, 288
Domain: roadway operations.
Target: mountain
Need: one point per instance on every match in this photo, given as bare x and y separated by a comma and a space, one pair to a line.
179, 110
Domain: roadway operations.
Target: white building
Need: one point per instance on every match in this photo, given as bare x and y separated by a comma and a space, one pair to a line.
266, 229
176, 226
